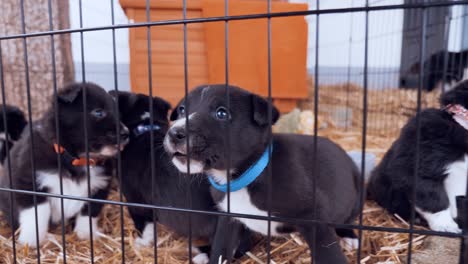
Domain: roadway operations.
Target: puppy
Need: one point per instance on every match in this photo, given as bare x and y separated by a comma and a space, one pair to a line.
169, 187
15, 123
442, 170
442, 69
291, 166
101, 126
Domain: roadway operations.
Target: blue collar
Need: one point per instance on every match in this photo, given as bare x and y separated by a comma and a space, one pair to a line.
247, 177
141, 129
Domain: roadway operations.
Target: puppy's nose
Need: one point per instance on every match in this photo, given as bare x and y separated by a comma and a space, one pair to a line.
177, 134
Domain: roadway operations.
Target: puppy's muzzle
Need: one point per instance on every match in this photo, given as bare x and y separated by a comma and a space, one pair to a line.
177, 135
175, 144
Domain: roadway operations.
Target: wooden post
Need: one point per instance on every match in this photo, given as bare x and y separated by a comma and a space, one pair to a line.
38, 50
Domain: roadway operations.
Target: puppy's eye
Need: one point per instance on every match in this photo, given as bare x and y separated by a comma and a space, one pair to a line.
182, 110
98, 113
222, 113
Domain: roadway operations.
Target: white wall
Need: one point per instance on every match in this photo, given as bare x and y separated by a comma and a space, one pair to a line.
98, 44
341, 38
98, 49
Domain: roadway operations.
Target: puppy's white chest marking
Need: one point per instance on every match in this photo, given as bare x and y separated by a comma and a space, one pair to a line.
241, 203
145, 115
465, 74
51, 181
455, 183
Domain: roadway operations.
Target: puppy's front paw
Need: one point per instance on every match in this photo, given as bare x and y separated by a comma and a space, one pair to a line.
349, 244
201, 258
147, 237
30, 230
82, 229
141, 242
448, 226
28, 238
441, 221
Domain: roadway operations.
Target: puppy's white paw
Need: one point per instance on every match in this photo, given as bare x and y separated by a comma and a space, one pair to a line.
141, 242
201, 258
82, 227
441, 221
449, 226
147, 237
349, 244
28, 232
28, 238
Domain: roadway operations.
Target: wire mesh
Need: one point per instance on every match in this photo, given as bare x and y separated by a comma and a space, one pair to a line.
323, 96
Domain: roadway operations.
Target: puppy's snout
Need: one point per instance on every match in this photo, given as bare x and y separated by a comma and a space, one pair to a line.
177, 134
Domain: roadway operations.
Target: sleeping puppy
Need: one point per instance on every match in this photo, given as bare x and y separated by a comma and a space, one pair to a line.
170, 186
101, 126
442, 70
15, 123
442, 171
291, 164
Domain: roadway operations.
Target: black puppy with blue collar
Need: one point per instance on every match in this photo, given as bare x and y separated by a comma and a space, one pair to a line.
293, 174
166, 186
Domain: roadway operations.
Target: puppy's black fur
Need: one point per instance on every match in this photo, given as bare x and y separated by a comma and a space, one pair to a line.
442, 142
101, 126
166, 186
15, 123
292, 165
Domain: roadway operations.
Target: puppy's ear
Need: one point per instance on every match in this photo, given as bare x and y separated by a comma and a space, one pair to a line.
260, 111
162, 105
174, 114
69, 95
126, 99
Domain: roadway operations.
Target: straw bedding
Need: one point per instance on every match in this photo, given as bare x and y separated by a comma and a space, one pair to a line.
376, 246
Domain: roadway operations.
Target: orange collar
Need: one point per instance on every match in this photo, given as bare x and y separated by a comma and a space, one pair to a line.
73, 160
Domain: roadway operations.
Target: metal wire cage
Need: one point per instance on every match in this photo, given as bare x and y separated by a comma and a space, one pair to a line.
320, 81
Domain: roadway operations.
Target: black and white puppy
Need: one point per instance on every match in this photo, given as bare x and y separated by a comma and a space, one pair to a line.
443, 69
442, 171
292, 166
166, 186
15, 123
101, 126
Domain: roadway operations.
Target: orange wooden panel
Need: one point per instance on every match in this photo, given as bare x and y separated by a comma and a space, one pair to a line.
171, 70
285, 105
248, 50
197, 59
171, 33
205, 54
160, 4
167, 49
167, 14
171, 89
172, 46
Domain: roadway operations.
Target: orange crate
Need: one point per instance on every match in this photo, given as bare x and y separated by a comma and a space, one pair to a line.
248, 49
